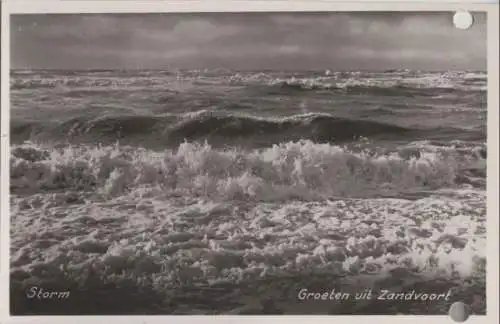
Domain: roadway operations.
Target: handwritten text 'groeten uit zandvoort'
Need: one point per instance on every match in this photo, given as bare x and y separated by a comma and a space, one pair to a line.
383, 294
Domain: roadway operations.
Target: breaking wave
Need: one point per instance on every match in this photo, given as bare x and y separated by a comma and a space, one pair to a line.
169, 129
403, 83
72, 82
296, 170
365, 89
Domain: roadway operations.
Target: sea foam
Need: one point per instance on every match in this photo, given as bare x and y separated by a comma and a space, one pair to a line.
300, 170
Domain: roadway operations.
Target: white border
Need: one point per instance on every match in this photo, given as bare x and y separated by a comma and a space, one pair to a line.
70, 6
151, 6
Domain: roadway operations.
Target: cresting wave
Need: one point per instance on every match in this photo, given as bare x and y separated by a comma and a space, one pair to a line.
84, 82
406, 83
295, 170
363, 88
360, 88
217, 127
314, 126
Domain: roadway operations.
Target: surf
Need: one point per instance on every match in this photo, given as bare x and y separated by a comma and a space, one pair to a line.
301, 170
218, 128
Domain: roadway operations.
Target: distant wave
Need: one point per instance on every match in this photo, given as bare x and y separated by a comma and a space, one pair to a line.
316, 126
300, 170
377, 83
379, 89
217, 127
94, 81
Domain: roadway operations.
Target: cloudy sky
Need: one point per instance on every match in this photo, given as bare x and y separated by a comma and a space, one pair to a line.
248, 41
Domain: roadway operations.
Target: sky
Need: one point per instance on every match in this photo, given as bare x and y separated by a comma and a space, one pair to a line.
248, 41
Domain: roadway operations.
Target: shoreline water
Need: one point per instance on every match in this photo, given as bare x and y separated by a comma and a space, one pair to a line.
258, 183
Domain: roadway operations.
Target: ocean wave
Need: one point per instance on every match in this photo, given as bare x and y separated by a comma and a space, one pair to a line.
315, 126
217, 127
295, 170
91, 82
373, 87
406, 83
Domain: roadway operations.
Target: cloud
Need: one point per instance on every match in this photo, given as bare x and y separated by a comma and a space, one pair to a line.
243, 40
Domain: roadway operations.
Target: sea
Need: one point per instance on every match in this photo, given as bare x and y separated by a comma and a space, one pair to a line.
234, 192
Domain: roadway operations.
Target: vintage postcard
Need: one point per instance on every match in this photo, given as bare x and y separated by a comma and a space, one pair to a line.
253, 162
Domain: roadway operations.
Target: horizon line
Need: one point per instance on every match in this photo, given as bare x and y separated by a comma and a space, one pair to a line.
243, 70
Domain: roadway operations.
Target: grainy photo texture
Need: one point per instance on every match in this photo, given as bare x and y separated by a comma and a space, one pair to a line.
247, 163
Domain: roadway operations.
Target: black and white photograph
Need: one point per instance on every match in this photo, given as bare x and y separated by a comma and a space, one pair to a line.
237, 163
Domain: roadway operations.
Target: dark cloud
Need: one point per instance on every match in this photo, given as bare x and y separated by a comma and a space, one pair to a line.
375, 40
